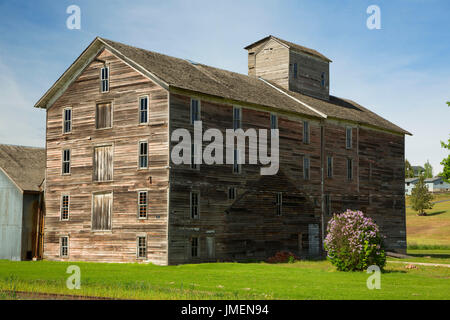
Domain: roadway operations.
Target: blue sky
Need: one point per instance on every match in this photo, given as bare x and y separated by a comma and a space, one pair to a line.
401, 72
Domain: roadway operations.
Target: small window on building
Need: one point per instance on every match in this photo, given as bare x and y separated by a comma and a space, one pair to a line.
66, 161
195, 110
237, 168
142, 204
237, 118
231, 193
349, 169
306, 132
273, 121
306, 166
104, 79
279, 203
194, 165
322, 80
348, 138
65, 207
64, 247
67, 120
142, 247
295, 70
329, 167
103, 116
327, 203
194, 247
195, 207
143, 155
143, 110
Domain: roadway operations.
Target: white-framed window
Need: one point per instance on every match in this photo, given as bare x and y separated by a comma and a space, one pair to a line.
194, 247
103, 115
195, 204
237, 167
141, 251
279, 203
350, 169
348, 137
306, 131
142, 204
66, 161
306, 167
104, 79
64, 246
273, 121
195, 166
232, 193
143, 154
67, 120
237, 118
329, 167
195, 110
143, 109
65, 205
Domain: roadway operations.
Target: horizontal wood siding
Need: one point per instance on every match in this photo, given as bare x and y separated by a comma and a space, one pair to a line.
119, 244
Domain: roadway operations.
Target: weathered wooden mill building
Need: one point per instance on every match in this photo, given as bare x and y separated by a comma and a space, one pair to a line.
113, 194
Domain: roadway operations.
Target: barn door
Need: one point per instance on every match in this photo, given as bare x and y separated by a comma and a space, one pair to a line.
103, 163
101, 211
313, 239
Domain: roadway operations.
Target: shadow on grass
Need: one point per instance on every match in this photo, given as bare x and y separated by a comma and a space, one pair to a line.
435, 213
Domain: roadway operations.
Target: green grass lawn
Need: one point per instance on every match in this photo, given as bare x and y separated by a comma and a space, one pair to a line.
431, 230
300, 280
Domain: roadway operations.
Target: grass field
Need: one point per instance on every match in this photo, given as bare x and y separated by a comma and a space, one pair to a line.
431, 230
300, 280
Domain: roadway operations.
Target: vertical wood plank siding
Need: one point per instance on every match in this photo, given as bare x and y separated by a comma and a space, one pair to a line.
119, 244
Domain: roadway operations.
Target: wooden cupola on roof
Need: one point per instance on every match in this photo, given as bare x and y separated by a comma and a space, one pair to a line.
291, 66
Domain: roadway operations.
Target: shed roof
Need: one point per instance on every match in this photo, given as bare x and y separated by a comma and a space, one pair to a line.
24, 165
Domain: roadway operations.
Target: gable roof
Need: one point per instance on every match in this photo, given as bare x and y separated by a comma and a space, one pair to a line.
24, 165
177, 73
292, 46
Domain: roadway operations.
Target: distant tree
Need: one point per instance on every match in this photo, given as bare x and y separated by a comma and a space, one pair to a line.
446, 162
421, 197
428, 172
409, 172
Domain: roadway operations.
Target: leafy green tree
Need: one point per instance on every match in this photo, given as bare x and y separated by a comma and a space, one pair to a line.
428, 172
409, 172
421, 197
446, 162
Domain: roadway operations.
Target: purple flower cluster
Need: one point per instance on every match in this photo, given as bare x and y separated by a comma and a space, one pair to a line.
354, 242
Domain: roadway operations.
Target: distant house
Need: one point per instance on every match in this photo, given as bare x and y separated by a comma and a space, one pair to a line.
22, 172
409, 185
418, 170
437, 184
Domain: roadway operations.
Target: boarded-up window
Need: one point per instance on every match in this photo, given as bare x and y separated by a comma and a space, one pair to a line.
101, 211
211, 247
103, 163
103, 116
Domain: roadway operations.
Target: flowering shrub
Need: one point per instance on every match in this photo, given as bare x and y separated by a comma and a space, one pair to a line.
283, 257
354, 242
